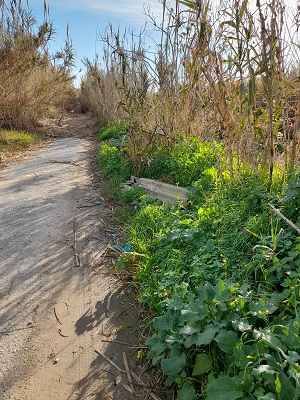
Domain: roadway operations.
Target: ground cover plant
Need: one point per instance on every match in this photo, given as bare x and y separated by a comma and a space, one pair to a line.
13, 140
220, 275
215, 109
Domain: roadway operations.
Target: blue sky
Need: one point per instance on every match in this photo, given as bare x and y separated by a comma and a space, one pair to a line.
88, 18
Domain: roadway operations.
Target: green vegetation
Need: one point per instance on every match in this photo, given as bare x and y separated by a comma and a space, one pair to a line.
215, 109
220, 276
11, 141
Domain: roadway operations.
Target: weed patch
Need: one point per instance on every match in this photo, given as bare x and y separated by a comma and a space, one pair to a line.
11, 141
219, 277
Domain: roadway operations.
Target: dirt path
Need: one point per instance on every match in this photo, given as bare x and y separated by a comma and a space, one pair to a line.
54, 313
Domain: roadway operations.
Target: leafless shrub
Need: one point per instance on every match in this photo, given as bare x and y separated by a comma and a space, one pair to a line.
228, 72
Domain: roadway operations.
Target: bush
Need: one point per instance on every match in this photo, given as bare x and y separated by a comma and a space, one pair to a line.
220, 277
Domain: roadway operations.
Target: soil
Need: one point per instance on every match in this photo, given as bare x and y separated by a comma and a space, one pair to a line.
67, 319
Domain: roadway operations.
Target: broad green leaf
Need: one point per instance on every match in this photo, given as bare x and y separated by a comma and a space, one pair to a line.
291, 335
188, 330
174, 338
163, 322
262, 308
202, 365
270, 338
202, 295
190, 340
173, 365
284, 387
192, 316
155, 345
263, 369
227, 340
241, 359
187, 392
207, 336
289, 195
224, 388
242, 325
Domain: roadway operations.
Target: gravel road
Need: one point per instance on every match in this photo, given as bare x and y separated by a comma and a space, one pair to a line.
54, 313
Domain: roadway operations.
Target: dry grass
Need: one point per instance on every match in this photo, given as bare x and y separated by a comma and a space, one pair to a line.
31, 79
229, 73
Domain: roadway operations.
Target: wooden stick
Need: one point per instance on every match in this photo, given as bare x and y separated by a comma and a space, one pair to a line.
280, 215
127, 371
133, 374
56, 316
124, 344
110, 361
76, 256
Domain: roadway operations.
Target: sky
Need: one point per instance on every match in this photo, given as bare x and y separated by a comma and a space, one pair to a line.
87, 19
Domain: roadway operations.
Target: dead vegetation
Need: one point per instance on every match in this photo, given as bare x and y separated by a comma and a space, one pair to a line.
33, 82
228, 72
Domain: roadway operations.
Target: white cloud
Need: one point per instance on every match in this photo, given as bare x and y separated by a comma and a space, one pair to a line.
130, 11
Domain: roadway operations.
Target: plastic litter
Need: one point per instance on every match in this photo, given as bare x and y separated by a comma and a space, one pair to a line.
127, 247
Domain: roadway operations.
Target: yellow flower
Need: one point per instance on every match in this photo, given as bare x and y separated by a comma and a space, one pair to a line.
260, 312
139, 354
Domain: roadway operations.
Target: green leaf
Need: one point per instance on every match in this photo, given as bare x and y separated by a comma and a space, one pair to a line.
227, 340
173, 365
187, 392
155, 345
262, 308
242, 325
190, 4
192, 316
190, 340
286, 389
202, 295
188, 330
202, 365
224, 388
207, 336
163, 322
289, 195
241, 359
270, 338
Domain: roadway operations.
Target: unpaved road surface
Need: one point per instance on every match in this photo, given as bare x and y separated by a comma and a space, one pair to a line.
54, 313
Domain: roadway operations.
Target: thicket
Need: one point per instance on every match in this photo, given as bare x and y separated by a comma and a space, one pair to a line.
33, 82
220, 275
217, 110
227, 72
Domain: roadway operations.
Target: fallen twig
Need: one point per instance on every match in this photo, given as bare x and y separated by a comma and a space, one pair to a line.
110, 361
56, 316
16, 330
280, 215
76, 256
127, 371
128, 388
124, 344
59, 332
141, 383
